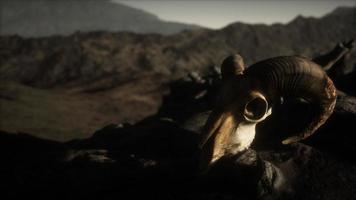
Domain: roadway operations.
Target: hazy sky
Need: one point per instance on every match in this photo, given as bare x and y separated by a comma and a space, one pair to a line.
219, 13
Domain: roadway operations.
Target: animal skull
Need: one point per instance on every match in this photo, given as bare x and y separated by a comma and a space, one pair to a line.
247, 97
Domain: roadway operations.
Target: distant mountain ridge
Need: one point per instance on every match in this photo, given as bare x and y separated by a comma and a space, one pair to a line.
36, 18
71, 84
88, 57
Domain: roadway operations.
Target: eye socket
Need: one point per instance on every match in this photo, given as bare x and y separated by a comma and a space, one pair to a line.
256, 109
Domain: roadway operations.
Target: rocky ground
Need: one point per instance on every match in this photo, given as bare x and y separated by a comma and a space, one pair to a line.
156, 158
153, 155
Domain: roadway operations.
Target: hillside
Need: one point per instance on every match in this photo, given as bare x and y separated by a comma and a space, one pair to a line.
120, 57
129, 73
37, 18
62, 115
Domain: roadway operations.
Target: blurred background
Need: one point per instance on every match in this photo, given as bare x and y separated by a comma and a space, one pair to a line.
70, 67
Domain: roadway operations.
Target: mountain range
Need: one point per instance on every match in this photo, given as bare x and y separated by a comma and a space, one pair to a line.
37, 18
65, 87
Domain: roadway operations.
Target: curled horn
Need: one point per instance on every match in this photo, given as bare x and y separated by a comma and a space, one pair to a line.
300, 78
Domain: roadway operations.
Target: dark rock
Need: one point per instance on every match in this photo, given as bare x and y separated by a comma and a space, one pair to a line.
144, 170
157, 158
339, 68
312, 174
337, 136
189, 97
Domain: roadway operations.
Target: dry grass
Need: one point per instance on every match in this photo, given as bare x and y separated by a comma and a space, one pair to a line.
64, 115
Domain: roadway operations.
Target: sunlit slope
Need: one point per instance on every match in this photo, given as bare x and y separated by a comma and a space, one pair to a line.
59, 115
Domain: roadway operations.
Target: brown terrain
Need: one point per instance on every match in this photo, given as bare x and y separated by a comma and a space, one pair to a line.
66, 87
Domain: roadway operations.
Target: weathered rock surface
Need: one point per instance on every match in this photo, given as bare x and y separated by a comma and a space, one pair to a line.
157, 158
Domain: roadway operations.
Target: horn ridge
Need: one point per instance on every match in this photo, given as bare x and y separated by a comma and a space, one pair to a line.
297, 77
